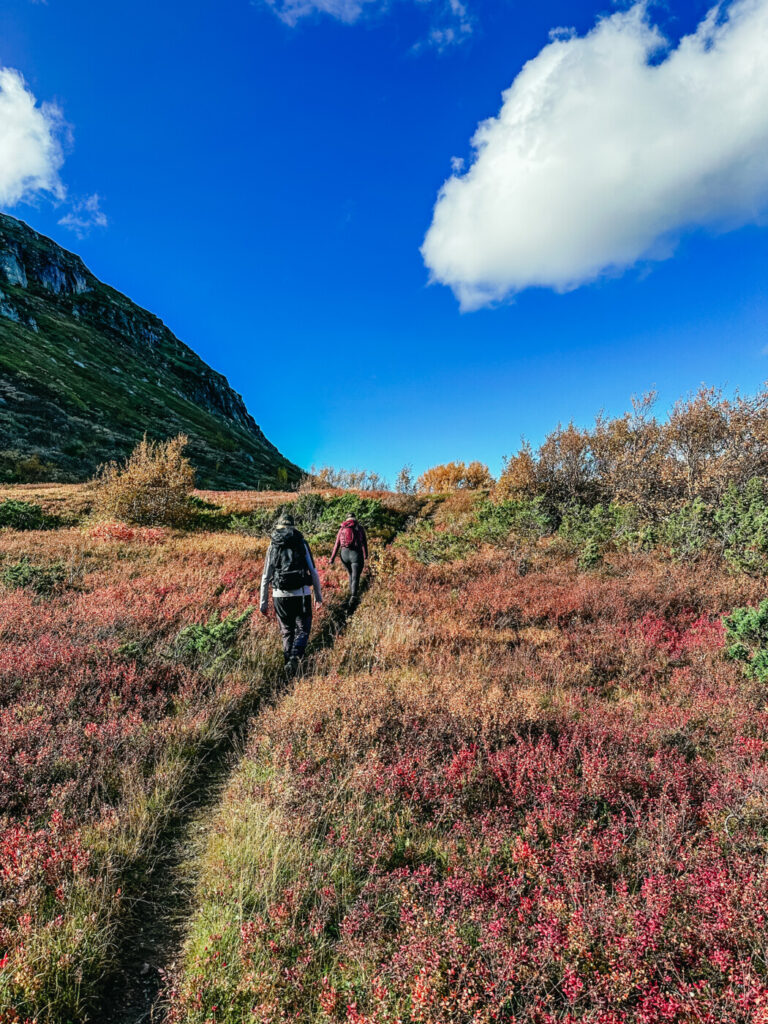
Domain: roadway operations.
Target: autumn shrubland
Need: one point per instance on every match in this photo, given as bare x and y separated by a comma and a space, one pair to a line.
126, 653
522, 789
528, 782
103, 712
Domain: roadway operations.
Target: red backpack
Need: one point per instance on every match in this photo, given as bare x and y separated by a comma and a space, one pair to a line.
348, 536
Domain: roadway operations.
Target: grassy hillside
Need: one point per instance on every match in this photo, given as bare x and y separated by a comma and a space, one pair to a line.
84, 372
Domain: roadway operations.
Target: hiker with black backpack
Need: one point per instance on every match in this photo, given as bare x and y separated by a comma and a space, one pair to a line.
352, 547
291, 571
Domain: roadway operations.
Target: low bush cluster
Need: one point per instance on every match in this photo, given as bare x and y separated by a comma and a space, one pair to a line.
734, 529
21, 515
123, 533
457, 529
319, 516
536, 798
747, 633
42, 579
214, 638
152, 487
109, 692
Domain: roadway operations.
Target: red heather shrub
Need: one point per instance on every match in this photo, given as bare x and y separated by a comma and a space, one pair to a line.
35, 861
676, 639
530, 799
121, 532
91, 696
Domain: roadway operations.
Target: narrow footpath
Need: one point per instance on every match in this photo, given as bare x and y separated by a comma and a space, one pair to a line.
161, 893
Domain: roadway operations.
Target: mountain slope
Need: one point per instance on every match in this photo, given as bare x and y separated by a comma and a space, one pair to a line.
84, 372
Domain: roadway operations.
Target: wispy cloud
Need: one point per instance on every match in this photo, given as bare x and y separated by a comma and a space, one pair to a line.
453, 25
451, 19
84, 215
30, 143
292, 11
605, 149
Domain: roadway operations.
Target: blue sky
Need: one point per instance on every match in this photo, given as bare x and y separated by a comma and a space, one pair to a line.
267, 183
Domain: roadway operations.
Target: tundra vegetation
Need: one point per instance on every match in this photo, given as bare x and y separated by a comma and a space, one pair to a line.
527, 783
519, 792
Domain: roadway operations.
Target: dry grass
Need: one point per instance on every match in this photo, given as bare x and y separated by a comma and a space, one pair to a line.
151, 488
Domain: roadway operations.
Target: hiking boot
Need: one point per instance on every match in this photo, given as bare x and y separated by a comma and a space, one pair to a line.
291, 667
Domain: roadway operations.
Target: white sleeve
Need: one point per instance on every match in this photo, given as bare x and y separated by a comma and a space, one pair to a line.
266, 577
315, 577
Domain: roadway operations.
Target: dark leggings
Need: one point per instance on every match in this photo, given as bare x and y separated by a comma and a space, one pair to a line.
294, 615
353, 562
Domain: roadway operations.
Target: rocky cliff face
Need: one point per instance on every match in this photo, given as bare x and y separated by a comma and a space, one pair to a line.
84, 372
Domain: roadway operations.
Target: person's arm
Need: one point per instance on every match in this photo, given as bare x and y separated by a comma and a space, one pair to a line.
266, 577
364, 541
315, 577
336, 547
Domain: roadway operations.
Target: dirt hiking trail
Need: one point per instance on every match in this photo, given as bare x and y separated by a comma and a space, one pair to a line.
160, 891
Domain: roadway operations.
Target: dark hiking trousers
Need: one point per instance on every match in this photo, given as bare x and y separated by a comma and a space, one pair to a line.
294, 614
353, 562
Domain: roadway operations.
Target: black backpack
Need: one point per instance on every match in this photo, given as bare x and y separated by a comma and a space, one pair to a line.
290, 560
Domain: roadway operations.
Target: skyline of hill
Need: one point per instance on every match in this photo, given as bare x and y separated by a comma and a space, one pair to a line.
85, 372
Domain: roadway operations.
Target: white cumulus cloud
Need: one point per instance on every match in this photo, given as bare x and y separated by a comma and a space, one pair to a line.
605, 149
30, 148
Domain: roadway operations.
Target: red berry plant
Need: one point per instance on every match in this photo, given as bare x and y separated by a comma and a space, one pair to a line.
521, 793
102, 714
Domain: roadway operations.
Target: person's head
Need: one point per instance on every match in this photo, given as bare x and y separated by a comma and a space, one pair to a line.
285, 521
352, 516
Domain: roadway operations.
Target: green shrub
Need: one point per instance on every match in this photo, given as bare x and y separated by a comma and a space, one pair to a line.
741, 520
458, 534
523, 519
602, 525
258, 523
689, 530
430, 545
371, 512
40, 578
647, 537
590, 556
204, 515
590, 531
746, 631
319, 518
21, 515
214, 638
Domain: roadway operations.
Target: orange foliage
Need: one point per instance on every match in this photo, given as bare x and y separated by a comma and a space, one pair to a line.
152, 487
453, 476
707, 442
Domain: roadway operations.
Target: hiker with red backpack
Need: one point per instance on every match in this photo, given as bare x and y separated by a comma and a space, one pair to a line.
291, 571
352, 547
